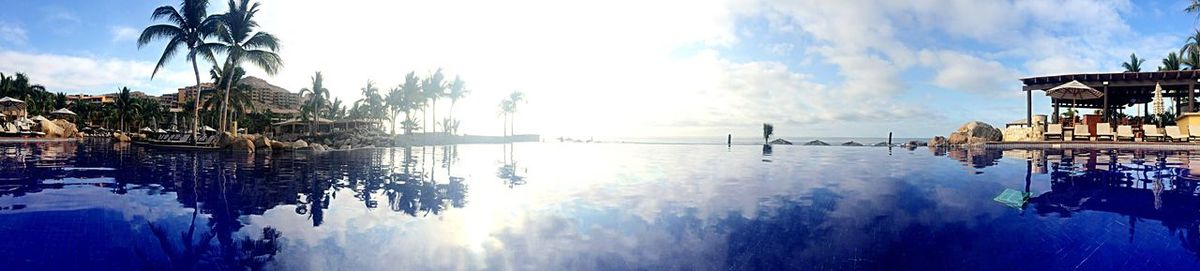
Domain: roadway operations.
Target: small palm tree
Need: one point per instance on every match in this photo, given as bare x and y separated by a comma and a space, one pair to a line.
186, 27
433, 88
508, 107
404, 99
125, 106
1134, 64
768, 131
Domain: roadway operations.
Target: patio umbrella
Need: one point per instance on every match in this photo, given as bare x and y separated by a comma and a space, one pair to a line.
209, 129
147, 129
1157, 104
39, 118
63, 111
1073, 91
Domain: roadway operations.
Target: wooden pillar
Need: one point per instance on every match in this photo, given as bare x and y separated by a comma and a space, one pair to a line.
1055, 117
1104, 108
1029, 108
1191, 96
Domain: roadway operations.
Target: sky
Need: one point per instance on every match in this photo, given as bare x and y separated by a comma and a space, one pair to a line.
618, 68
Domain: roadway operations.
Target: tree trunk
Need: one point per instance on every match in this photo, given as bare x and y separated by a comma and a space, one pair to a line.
196, 110
435, 120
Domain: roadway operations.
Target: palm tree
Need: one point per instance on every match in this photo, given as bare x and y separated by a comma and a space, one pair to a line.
239, 40
506, 108
404, 99
236, 94
317, 94
372, 106
187, 27
433, 88
1171, 63
125, 106
514, 98
1193, 7
1134, 64
768, 131
1192, 61
458, 90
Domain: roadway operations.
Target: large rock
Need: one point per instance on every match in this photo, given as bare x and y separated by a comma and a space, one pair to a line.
938, 141
121, 137
278, 145
816, 143
51, 129
299, 144
68, 128
318, 147
852, 144
242, 144
262, 141
975, 132
780, 141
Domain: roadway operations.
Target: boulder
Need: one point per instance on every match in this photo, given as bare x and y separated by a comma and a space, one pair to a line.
51, 129
242, 144
278, 145
780, 141
816, 143
68, 128
299, 144
121, 137
318, 147
852, 143
975, 132
262, 141
881, 144
938, 141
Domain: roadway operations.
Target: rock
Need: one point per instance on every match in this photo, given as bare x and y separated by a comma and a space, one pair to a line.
262, 141
242, 144
938, 141
780, 141
121, 137
277, 145
318, 147
346, 147
852, 143
881, 144
1020, 134
68, 128
299, 144
975, 132
816, 143
51, 129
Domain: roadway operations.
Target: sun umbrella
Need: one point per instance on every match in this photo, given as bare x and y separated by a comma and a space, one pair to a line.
39, 118
1074, 90
209, 129
63, 111
1158, 99
147, 129
161, 131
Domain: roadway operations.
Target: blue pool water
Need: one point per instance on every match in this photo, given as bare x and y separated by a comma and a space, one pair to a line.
554, 206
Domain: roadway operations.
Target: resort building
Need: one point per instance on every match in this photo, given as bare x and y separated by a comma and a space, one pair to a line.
267, 96
73, 98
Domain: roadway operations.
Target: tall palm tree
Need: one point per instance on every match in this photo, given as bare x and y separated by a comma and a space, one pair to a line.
458, 90
1193, 7
240, 41
506, 108
514, 98
433, 88
406, 98
372, 105
1134, 64
1171, 63
125, 106
186, 27
317, 94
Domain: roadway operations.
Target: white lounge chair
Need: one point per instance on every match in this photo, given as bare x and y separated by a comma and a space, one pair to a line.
1053, 131
1173, 134
1152, 132
1081, 131
1103, 131
1125, 132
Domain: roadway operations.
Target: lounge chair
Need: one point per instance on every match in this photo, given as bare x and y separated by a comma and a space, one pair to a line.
1124, 132
1103, 130
1173, 134
1081, 131
1053, 131
1151, 132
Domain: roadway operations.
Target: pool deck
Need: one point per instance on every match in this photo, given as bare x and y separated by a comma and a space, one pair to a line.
35, 139
1094, 145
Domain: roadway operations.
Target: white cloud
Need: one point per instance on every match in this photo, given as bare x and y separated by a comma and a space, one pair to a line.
963, 72
124, 33
74, 73
13, 34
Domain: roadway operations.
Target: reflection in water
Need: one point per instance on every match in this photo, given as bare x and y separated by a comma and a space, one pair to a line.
595, 207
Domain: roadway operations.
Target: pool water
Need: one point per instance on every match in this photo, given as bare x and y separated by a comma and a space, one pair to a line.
562, 206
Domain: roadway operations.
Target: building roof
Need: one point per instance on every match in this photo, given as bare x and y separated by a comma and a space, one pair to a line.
1123, 88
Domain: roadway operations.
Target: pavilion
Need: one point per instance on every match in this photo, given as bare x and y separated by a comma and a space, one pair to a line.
1120, 90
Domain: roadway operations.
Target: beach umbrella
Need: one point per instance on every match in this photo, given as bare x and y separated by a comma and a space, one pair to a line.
39, 118
146, 129
161, 131
10, 100
209, 129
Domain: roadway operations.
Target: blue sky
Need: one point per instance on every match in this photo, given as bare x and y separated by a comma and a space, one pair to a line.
629, 68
